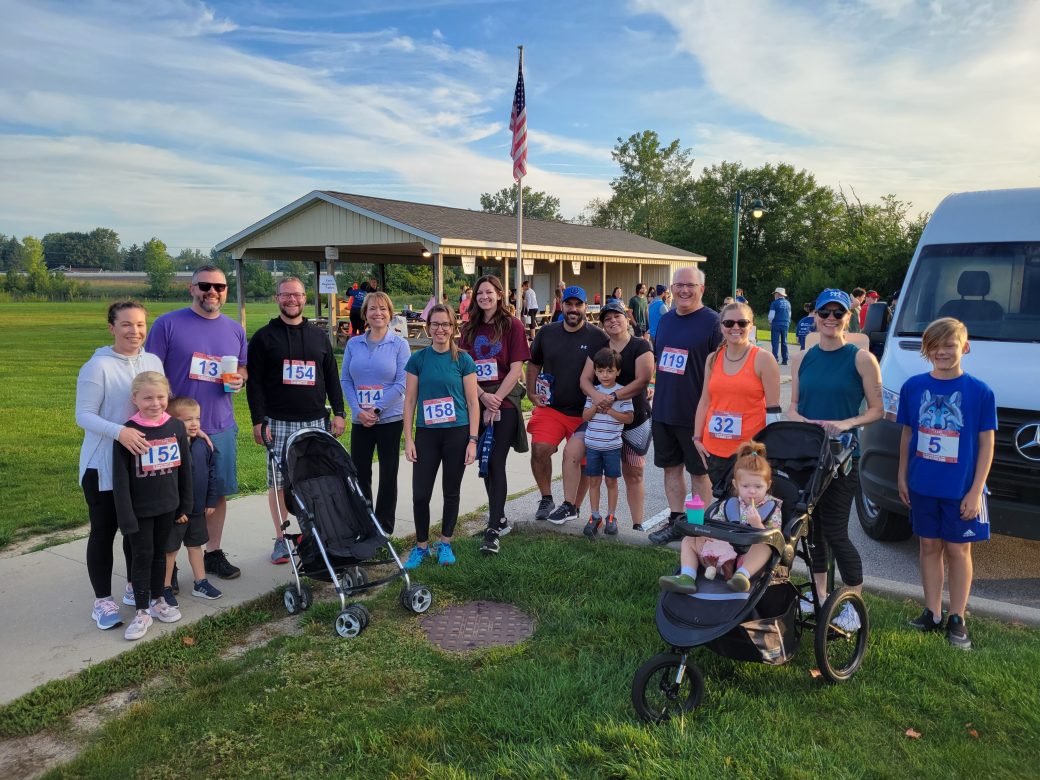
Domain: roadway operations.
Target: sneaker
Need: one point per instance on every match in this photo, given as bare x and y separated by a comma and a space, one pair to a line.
678, 583
106, 614
138, 626
445, 555
805, 606
592, 527
926, 621
637, 527
611, 529
545, 506
280, 553
174, 585
666, 535
163, 612
491, 544
739, 582
504, 528
168, 596
417, 556
848, 619
217, 563
128, 595
204, 590
564, 513
957, 633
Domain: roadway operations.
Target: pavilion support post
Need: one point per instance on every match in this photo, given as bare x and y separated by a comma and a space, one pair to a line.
332, 306
317, 287
438, 277
639, 275
505, 278
603, 283
240, 291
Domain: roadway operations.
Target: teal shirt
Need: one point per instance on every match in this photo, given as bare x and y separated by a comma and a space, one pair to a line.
440, 377
829, 386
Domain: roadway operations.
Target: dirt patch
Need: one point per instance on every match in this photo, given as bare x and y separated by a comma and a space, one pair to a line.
261, 635
42, 541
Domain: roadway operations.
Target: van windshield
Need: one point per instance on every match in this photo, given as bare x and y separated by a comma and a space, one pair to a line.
994, 289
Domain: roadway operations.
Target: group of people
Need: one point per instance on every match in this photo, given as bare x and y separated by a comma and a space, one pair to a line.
158, 457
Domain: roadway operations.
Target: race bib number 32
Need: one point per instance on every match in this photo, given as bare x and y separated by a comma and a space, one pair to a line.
437, 411
673, 360
298, 372
939, 445
162, 454
205, 368
723, 425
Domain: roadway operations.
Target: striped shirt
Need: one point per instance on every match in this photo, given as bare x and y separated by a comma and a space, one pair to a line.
604, 432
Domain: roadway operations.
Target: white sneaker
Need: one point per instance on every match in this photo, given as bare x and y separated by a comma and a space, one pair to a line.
128, 595
163, 612
848, 619
805, 606
138, 626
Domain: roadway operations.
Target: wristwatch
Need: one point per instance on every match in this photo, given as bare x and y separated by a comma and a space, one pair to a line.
377, 412
473, 439
613, 397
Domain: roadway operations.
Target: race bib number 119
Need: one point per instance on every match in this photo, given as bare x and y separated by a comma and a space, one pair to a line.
673, 360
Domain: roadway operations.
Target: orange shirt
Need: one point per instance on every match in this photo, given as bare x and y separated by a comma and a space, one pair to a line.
736, 408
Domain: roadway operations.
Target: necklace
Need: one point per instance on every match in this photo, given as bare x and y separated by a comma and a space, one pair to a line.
737, 359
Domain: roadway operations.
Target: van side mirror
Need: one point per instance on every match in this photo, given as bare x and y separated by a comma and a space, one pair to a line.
876, 327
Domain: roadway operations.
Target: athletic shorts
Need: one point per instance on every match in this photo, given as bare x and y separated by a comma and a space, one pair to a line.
719, 469
225, 459
191, 534
632, 458
603, 463
280, 431
548, 426
673, 446
532, 315
940, 518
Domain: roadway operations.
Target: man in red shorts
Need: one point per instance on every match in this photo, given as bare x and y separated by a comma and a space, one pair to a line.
558, 356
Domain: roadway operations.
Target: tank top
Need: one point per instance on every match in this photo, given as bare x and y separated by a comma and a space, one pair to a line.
829, 386
737, 410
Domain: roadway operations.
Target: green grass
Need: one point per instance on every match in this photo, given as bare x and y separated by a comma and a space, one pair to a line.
389, 704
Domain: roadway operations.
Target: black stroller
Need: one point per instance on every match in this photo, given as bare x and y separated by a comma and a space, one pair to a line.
340, 536
765, 624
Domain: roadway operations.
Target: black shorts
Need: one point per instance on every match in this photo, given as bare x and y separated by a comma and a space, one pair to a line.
673, 446
191, 534
533, 317
719, 470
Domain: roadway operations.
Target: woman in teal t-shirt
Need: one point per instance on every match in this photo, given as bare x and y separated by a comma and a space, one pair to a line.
441, 383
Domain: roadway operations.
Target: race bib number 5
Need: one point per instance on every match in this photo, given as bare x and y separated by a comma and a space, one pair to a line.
723, 425
298, 372
939, 445
437, 411
162, 454
205, 368
487, 370
673, 360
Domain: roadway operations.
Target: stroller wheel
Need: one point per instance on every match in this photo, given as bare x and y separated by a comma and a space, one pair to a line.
660, 693
366, 616
306, 599
291, 599
346, 579
841, 635
416, 598
360, 577
349, 622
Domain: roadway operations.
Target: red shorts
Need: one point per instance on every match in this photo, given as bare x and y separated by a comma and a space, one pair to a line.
548, 426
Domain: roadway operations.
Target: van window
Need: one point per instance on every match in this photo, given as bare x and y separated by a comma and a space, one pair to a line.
994, 289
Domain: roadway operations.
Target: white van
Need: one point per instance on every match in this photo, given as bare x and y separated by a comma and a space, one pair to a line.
979, 261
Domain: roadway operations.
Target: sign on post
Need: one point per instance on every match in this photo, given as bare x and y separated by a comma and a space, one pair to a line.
332, 253
469, 264
327, 283
576, 267
528, 267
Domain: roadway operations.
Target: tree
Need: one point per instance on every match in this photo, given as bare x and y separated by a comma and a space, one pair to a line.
68, 249
190, 259
103, 249
257, 281
11, 254
133, 258
159, 267
537, 205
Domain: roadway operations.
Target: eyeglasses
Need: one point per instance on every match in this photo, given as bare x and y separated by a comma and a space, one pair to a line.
731, 323
826, 313
440, 326
297, 296
684, 285
207, 286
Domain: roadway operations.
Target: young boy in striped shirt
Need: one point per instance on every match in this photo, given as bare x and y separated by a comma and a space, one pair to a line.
603, 440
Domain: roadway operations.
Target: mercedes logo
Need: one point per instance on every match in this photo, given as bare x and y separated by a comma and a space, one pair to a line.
1027, 441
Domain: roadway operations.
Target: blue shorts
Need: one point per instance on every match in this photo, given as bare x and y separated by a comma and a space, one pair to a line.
225, 458
940, 518
603, 463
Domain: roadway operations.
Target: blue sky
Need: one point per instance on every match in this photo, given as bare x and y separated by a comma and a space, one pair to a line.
188, 120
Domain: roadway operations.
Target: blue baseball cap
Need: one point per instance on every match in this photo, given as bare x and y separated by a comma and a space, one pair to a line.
834, 296
574, 292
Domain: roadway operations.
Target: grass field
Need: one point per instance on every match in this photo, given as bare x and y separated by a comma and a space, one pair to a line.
388, 704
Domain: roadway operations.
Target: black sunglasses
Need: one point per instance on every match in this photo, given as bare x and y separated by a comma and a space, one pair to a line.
207, 286
731, 323
825, 313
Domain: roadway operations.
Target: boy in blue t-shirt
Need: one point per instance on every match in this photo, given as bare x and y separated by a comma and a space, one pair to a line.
805, 326
949, 420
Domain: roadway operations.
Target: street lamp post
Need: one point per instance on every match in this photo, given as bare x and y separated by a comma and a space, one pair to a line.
757, 211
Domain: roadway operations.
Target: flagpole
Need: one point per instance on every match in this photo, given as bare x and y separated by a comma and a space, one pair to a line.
520, 221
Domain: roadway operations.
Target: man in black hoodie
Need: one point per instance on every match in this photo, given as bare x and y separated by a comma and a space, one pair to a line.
295, 371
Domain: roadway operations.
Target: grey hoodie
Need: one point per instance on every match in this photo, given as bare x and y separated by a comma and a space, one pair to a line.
103, 404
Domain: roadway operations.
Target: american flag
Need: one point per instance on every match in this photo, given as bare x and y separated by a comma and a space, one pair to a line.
518, 124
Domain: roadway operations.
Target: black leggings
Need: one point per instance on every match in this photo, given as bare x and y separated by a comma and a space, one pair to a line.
434, 446
495, 481
830, 529
149, 546
385, 439
101, 508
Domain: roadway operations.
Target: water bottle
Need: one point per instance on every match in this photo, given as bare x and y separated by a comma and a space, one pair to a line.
695, 510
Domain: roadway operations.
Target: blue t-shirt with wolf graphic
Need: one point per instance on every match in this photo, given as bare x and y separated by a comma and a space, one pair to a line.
945, 417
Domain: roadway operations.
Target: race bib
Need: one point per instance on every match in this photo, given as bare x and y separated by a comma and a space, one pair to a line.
673, 360
438, 410
162, 454
939, 445
205, 368
298, 372
370, 396
543, 387
487, 370
724, 425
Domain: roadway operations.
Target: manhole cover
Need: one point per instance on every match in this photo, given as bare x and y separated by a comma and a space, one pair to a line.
477, 624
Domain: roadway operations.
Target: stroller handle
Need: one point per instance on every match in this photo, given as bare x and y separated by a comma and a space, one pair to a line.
737, 535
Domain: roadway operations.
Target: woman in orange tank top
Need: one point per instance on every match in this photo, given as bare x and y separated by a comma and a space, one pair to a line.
741, 393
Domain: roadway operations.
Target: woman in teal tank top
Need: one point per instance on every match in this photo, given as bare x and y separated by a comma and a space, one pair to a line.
829, 384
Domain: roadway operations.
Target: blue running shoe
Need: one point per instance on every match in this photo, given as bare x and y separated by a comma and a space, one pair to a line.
170, 598
106, 614
417, 556
445, 555
128, 595
204, 590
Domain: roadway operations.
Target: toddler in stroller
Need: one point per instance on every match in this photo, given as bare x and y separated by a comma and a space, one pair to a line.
762, 623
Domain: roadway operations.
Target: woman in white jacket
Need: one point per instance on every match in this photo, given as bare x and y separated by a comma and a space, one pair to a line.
102, 406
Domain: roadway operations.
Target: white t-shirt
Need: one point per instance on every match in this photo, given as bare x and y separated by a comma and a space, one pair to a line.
530, 299
604, 432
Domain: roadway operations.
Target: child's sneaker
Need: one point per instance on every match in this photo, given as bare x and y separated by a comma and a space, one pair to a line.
417, 556
491, 544
564, 513
592, 527
957, 633
445, 555
280, 553
128, 595
106, 614
204, 590
805, 606
611, 529
848, 619
138, 626
167, 594
638, 527
163, 612
678, 583
926, 621
739, 582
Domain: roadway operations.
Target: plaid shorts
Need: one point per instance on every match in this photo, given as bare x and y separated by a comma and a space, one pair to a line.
280, 430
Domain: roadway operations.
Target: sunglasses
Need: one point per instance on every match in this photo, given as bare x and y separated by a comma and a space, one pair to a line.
731, 323
207, 286
825, 313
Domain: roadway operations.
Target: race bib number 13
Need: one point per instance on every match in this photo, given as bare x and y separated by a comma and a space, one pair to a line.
205, 368
673, 360
437, 411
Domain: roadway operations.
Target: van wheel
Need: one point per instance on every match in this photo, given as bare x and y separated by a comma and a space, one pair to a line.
880, 523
